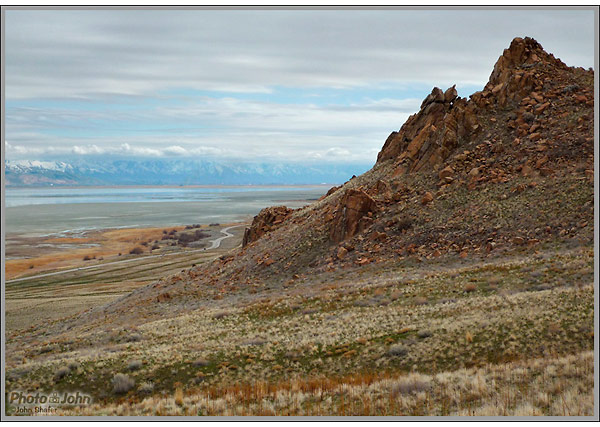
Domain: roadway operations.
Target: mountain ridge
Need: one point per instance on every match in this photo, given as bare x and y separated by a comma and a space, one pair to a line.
172, 172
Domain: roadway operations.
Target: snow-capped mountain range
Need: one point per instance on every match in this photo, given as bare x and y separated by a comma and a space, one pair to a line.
173, 172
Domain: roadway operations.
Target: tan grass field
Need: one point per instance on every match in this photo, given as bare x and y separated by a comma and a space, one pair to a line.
48, 299
109, 244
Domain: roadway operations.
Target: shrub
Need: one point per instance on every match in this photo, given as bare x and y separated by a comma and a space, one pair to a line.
136, 251
409, 386
179, 396
135, 337
134, 365
184, 239
220, 315
62, 372
470, 287
424, 334
201, 362
397, 350
146, 388
420, 301
122, 383
155, 247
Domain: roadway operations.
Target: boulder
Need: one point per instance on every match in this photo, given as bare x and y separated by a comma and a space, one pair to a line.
352, 214
447, 172
342, 252
451, 94
427, 198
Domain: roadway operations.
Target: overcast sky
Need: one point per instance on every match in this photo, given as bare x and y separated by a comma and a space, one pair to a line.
268, 85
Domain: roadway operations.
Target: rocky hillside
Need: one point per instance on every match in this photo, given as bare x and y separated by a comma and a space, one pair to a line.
510, 168
453, 278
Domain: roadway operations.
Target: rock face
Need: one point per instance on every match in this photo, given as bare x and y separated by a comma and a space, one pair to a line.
267, 220
428, 137
352, 215
445, 120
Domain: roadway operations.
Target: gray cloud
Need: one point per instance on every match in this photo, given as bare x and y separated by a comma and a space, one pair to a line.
51, 53
135, 60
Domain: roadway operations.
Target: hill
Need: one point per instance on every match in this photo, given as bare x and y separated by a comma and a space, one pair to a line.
453, 278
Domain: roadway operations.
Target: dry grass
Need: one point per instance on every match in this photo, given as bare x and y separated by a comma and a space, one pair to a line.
109, 244
274, 355
546, 386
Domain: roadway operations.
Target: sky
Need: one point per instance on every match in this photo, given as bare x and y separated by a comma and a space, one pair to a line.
307, 86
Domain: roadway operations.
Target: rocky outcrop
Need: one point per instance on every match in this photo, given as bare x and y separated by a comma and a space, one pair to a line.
428, 137
353, 214
445, 120
267, 220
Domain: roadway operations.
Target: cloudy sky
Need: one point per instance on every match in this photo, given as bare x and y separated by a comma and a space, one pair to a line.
309, 86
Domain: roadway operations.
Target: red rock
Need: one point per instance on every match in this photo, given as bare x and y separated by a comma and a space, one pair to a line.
518, 240
342, 252
427, 198
473, 173
526, 170
332, 190
163, 297
446, 172
265, 221
378, 236
541, 162
542, 108
497, 88
352, 215
451, 94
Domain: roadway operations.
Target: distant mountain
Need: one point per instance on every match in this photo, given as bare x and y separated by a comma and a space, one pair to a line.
172, 172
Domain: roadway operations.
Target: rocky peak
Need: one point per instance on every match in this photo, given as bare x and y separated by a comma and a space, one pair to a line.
523, 53
445, 121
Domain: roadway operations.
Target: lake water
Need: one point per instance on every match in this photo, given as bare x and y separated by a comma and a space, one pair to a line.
41, 211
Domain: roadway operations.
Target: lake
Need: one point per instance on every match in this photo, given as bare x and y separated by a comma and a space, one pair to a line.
75, 210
